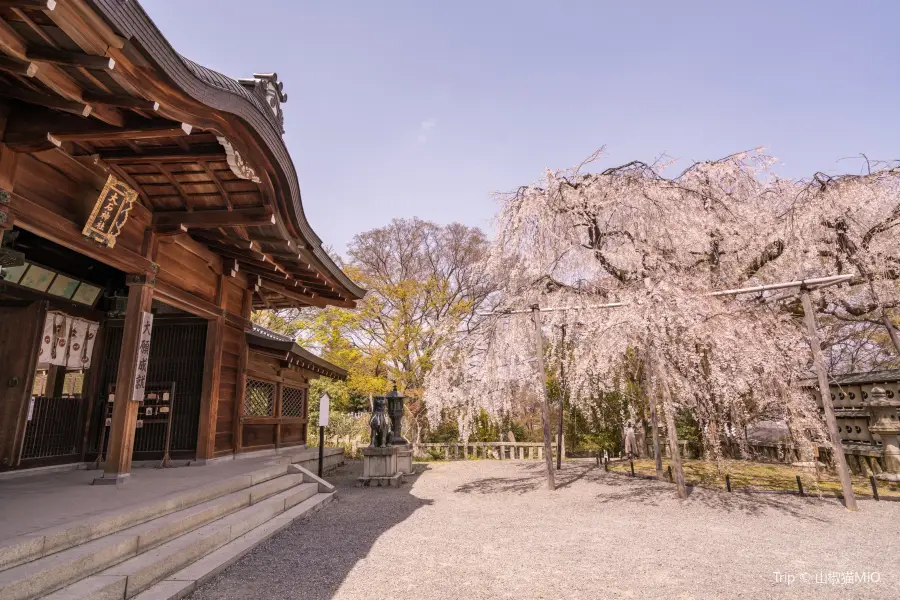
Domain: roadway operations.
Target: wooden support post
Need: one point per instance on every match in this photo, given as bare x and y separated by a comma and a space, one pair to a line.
241, 391
124, 417
840, 461
545, 405
276, 411
212, 370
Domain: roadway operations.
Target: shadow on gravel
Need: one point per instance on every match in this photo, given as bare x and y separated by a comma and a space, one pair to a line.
622, 488
534, 477
652, 493
311, 559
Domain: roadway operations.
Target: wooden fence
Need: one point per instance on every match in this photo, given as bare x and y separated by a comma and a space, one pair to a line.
485, 450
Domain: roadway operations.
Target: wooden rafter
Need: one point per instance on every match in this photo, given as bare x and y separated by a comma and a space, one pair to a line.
184, 194
127, 178
70, 59
232, 242
219, 186
46, 100
121, 101
29, 4
18, 67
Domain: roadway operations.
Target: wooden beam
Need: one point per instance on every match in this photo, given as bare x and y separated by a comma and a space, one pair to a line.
136, 133
29, 4
170, 230
230, 267
18, 67
210, 219
70, 59
171, 154
186, 301
56, 228
120, 101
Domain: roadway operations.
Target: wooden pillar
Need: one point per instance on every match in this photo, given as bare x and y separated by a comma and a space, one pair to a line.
124, 416
277, 411
212, 370
840, 461
242, 378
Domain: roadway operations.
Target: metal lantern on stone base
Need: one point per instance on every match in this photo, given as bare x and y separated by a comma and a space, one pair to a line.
395, 410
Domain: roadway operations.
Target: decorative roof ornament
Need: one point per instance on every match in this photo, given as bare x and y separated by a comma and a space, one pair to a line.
270, 92
238, 166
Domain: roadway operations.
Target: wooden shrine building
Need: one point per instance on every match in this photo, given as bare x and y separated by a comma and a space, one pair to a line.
147, 205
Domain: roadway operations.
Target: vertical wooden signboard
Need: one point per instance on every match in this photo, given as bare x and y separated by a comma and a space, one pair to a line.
143, 357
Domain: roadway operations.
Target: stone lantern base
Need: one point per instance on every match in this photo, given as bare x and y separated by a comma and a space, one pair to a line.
380, 467
405, 459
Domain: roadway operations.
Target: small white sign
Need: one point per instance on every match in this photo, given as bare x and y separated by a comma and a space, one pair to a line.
143, 357
324, 408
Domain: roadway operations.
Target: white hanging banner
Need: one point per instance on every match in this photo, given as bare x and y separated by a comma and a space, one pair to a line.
143, 357
67, 341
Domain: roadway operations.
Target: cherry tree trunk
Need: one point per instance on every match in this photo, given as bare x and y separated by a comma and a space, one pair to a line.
676, 452
840, 461
892, 331
545, 406
654, 423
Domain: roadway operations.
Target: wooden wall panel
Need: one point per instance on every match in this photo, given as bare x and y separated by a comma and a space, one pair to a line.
234, 295
292, 434
256, 436
262, 366
186, 270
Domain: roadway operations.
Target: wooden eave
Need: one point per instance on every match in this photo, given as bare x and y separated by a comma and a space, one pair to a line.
95, 79
290, 353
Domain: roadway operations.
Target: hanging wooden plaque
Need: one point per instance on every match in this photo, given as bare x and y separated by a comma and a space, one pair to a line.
110, 212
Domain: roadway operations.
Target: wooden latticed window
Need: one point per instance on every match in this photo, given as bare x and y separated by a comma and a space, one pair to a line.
292, 401
259, 401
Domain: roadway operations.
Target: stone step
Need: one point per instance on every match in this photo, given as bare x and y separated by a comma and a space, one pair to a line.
144, 570
24, 548
32, 579
182, 583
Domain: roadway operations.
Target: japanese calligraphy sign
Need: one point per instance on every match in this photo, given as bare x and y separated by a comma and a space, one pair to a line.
110, 212
143, 357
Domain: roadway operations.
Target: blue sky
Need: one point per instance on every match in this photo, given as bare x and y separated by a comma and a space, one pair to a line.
424, 108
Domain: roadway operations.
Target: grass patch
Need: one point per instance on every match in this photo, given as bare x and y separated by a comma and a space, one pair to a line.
755, 476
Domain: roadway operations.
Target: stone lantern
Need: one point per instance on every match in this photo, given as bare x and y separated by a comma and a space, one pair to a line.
887, 425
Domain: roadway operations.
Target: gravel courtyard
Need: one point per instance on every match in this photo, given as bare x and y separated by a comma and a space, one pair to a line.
490, 529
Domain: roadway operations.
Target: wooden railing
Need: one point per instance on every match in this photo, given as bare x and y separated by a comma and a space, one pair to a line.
485, 450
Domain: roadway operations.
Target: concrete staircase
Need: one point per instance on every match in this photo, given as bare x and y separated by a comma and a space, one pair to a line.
161, 550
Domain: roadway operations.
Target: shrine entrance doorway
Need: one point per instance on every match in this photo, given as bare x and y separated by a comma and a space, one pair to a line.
172, 389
